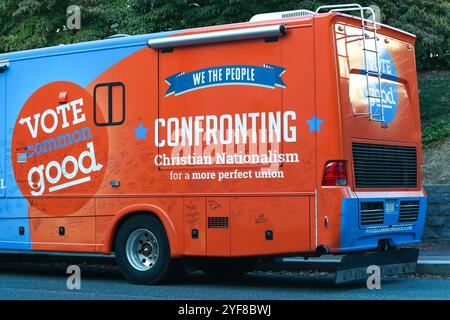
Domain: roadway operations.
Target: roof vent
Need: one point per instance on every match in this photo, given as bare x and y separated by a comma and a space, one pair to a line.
281, 15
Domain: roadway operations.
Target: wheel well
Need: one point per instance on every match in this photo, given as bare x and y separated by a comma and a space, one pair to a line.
129, 216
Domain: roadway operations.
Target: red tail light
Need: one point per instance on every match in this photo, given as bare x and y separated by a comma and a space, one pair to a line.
335, 174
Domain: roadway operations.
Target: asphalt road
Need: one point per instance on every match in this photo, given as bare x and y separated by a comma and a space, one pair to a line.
37, 281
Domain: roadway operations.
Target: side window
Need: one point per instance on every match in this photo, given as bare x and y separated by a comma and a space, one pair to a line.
113, 95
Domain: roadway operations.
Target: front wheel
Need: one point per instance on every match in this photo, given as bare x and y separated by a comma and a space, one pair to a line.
143, 252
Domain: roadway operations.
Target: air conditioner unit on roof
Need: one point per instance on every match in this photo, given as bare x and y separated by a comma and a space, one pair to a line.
281, 15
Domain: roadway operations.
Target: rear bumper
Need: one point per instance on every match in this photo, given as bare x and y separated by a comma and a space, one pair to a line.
358, 237
359, 266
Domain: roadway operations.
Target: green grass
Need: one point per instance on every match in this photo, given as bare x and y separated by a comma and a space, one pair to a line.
434, 95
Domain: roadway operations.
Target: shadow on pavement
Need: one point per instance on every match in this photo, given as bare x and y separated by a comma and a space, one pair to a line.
105, 270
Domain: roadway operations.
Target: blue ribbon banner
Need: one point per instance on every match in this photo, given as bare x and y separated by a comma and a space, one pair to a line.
267, 76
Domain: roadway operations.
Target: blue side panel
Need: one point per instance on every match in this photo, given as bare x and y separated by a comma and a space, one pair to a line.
30, 70
355, 237
13, 216
9, 236
2, 133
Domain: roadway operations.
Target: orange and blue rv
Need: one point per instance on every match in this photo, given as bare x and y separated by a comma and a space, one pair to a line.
296, 133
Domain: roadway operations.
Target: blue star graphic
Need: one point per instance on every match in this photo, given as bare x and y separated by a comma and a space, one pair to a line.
314, 124
141, 132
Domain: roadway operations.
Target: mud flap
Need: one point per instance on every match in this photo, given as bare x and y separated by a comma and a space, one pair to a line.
354, 267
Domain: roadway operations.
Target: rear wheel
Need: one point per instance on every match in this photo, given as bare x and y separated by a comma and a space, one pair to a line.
143, 252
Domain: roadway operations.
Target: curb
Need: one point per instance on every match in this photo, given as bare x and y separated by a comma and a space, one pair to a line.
425, 265
433, 266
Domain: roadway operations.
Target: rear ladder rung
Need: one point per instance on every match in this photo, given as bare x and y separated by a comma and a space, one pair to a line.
373, 73
371, 50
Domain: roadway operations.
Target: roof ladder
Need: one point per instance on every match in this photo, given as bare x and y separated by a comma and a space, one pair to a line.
369, 74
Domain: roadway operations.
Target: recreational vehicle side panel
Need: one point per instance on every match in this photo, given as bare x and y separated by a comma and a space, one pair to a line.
2, 130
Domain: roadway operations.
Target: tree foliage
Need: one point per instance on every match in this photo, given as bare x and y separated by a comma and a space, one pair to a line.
26, 24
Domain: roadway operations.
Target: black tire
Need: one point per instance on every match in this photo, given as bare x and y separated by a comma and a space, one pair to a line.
228, 267
164, 267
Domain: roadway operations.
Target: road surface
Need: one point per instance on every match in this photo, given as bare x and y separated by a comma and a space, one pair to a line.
22, 280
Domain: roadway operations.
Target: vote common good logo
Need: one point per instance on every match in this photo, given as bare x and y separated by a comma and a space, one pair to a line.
57, 149
389, 86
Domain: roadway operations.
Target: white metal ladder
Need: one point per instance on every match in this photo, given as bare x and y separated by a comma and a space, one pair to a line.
379, 117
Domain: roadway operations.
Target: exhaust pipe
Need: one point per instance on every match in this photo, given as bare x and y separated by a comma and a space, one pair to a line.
322, 249
384, 245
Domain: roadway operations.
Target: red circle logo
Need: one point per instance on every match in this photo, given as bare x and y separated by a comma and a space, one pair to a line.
57, 150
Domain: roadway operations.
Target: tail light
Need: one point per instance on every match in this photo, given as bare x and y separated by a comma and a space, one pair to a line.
335, 174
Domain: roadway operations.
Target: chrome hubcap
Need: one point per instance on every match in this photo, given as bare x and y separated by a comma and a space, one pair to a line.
142, 249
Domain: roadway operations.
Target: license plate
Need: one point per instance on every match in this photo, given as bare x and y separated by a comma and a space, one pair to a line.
389, 206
